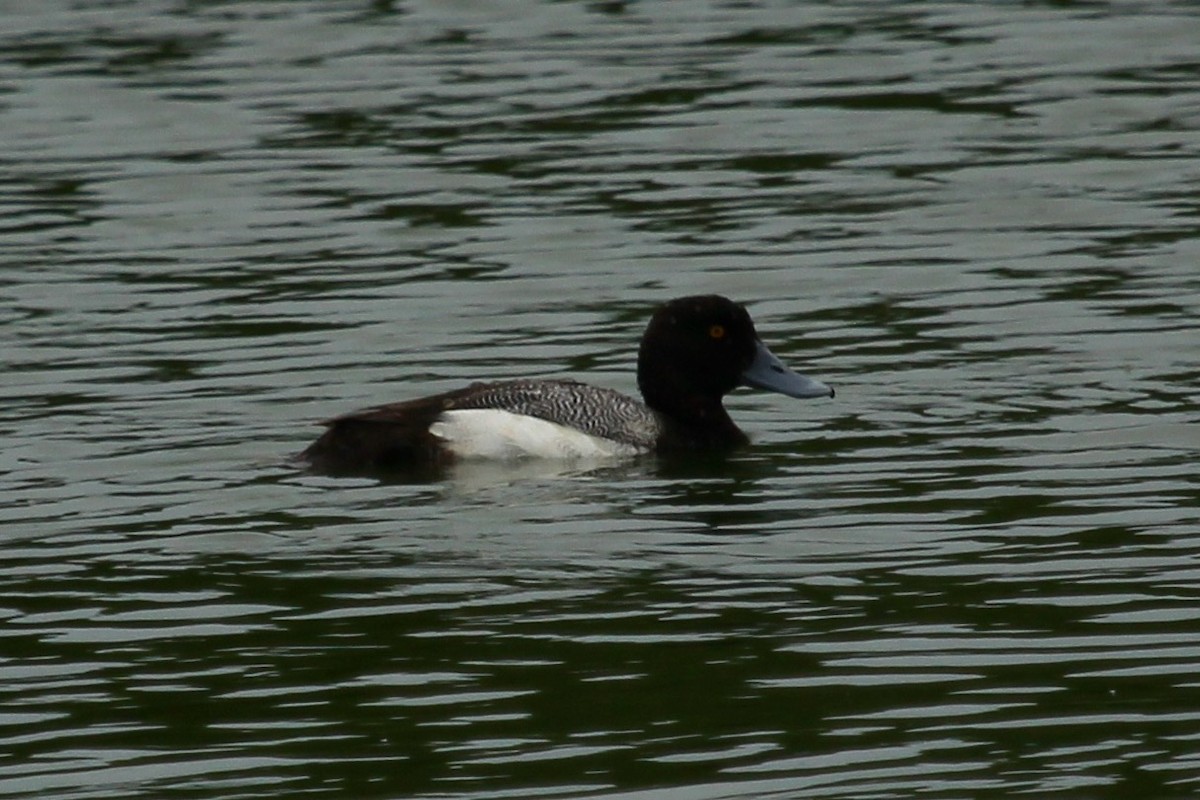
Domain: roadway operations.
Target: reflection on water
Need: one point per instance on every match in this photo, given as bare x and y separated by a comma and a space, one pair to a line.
972, 574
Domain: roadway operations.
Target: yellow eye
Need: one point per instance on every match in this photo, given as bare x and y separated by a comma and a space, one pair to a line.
717, 332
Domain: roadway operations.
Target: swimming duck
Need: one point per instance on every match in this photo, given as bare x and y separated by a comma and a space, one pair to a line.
694, 352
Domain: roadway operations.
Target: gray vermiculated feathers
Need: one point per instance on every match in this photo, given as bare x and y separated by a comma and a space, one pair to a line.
591, 409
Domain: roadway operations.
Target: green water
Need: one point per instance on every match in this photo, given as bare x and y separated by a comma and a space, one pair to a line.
974, 573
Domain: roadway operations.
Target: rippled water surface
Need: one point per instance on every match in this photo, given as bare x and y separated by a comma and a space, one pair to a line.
975, 573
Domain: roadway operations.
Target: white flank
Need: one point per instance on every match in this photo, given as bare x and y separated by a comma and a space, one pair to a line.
496, 434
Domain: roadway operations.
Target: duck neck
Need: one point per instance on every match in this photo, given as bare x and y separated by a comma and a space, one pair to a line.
696, 423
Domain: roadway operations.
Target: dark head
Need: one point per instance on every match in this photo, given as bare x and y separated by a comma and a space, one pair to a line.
698, 349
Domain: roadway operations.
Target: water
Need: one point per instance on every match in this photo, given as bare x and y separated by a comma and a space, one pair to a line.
973, 573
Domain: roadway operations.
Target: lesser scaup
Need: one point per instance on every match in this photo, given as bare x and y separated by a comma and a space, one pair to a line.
694, 351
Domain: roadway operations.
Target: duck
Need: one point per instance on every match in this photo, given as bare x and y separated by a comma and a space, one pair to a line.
695, 351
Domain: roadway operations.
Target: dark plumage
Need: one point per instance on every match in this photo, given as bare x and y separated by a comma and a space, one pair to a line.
694, 351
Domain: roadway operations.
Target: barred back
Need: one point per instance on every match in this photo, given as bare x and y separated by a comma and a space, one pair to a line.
592, 409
